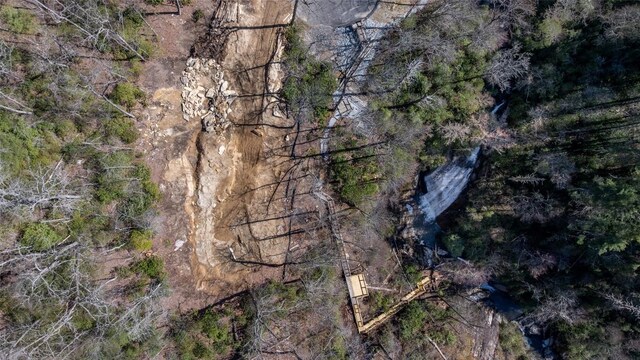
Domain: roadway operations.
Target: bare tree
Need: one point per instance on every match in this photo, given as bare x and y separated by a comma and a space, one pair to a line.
534, 208
42, 188
466, 274
453, 132
92, 20
507, 65
515, 13
539, 263
623, 22
621, 303
563, 306
56, 278
558, 167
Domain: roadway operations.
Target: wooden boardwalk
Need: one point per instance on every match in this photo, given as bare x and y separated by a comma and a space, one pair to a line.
422, 288
425, 285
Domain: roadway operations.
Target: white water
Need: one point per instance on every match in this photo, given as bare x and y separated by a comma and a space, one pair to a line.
445, 184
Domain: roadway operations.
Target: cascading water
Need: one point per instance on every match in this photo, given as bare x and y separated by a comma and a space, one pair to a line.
442, 187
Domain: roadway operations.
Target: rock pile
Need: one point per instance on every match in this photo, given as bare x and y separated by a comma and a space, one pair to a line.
206, 94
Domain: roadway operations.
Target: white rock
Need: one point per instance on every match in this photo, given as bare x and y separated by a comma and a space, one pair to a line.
211, 93
178, 244
221, 149
191, 61
224, 85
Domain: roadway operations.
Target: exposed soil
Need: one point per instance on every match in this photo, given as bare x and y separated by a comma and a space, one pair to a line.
236, 205
231, 195
167, 142
227, 198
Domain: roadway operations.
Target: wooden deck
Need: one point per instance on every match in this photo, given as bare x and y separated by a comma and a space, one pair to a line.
357, 286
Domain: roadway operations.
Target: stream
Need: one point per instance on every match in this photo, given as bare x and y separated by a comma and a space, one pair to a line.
437, 191
500, 301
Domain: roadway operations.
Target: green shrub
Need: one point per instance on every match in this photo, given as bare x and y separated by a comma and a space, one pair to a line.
126, 94
66, 129
152, 266
122, 128
113, 175
339, 349
409, 23
454, 244
24, 147
83, 320
217, 332
154, 2
139, 202
200, 351
412, 272
411, 320
197, 15
381, 302
18, 20
444, 336
310, 83
40, 236
356, 180
141, 240
135, 67
512, 341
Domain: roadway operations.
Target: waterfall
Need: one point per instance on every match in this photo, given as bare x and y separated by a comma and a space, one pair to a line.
445, 184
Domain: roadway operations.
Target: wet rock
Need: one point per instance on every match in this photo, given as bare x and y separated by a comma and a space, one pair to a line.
486, 338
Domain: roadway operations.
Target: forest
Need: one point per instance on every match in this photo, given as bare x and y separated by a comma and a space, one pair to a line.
549, 90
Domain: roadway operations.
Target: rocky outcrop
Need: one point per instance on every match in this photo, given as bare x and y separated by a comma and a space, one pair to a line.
486, 337
206, 95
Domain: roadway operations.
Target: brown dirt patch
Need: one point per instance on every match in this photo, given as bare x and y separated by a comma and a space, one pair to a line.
167, 142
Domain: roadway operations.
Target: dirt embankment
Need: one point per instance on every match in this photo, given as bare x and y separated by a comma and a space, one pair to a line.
235, 219
225, 208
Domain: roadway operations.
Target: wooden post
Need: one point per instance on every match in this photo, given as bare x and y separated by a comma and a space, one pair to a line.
179, 7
